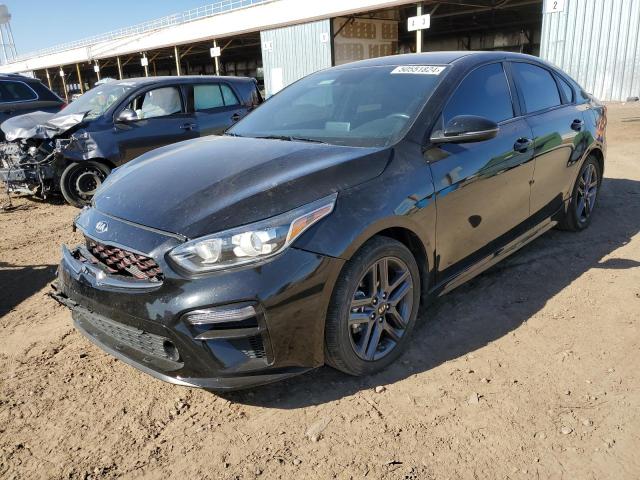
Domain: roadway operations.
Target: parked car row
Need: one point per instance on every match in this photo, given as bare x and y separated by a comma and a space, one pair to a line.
314, 230
74, 149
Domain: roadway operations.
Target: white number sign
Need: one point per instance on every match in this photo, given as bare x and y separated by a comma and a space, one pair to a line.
419, 23
554, 6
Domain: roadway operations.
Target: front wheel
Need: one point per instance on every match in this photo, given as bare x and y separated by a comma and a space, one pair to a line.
583, 197
373, 308
79, 181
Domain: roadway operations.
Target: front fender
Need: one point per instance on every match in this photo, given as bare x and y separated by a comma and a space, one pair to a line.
401, 198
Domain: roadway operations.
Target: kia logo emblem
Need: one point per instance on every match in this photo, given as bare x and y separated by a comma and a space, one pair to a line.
102, 226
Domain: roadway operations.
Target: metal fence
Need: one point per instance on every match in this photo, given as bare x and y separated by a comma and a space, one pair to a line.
598, 43
221, 6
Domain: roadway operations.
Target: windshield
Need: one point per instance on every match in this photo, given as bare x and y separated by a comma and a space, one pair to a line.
369, 107
98, 100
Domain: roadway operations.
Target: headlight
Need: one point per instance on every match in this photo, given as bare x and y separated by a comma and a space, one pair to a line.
251, 243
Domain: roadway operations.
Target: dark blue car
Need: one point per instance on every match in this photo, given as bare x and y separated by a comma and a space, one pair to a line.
74, 150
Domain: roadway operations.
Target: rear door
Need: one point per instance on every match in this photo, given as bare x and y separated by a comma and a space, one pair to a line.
557, 123
482, 187
162, 119
216, 107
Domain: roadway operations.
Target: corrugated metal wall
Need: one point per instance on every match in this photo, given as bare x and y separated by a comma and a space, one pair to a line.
290, 53
597, 42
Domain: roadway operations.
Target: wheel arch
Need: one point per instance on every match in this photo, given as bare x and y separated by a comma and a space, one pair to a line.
105, 161
402, 230
599, 155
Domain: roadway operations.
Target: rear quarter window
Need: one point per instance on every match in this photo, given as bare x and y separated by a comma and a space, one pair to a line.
566, 90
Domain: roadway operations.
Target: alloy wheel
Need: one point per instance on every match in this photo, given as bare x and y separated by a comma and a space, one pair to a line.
587, 192
381, 308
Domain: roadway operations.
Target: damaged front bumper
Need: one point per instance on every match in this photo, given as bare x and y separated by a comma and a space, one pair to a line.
145, 323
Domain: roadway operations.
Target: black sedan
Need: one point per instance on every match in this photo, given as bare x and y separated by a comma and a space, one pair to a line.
74, 150
319, 225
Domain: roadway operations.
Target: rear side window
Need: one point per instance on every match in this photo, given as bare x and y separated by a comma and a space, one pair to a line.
213, 96
538, 87
485, 93
566, 89
16, 92
207, 96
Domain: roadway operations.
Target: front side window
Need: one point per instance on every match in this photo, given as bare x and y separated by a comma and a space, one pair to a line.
160, 102
484, 93
16, 92
538, 87
366, 106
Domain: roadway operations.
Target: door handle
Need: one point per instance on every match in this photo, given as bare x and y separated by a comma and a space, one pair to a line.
522, 144
577, 125
188, 126
236, 116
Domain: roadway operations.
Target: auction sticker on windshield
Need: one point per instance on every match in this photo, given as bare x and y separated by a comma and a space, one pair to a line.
419, 69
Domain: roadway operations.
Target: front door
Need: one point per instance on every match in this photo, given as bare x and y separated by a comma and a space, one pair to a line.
161, 119
482, 188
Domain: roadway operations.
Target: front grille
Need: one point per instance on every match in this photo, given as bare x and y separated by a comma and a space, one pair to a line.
148, 343
123, 262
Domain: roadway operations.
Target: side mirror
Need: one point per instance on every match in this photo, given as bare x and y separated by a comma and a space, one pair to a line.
466, 128
127, 115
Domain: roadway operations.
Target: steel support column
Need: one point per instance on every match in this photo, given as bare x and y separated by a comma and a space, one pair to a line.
64, 85
119, 67
177, 55
46, 71
216, 60
79, 78
419, 32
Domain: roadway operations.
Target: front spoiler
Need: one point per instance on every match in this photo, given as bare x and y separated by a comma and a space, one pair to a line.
137, 360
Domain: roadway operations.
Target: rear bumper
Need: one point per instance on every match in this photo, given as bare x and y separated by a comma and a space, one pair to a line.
134, 323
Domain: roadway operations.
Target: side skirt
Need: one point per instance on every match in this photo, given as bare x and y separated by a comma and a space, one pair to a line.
495, 257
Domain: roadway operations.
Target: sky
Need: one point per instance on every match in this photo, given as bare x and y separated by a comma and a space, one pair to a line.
40, 24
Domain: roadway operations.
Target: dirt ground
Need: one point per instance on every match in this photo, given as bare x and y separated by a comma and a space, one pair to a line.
530, 371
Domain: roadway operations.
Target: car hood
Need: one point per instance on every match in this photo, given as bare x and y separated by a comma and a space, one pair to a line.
206, 185
40, 125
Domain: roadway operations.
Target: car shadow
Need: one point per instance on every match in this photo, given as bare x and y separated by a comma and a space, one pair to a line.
485, 309
17, 283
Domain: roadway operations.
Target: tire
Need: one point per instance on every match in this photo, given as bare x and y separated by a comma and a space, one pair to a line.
79, 181
350, 328
580, 211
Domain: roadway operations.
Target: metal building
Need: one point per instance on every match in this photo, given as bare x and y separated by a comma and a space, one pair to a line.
597, 42
279, 41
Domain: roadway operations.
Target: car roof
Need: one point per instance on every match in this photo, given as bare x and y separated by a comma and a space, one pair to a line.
18, 77
439, 58
138, 81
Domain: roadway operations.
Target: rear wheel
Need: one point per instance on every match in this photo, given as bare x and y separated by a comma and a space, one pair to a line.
584, 197
79, 181
373, 308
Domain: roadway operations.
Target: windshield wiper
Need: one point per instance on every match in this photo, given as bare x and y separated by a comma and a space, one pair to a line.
292, 138
231, 134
